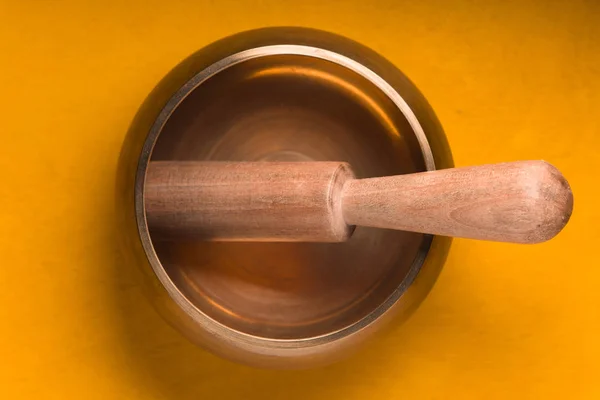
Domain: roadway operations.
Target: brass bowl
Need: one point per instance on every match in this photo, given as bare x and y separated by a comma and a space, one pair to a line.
284, 94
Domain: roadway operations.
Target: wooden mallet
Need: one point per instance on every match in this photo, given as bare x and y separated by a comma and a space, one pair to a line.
521, 202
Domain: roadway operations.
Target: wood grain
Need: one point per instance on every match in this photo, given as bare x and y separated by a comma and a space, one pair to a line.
521, 202
247, 201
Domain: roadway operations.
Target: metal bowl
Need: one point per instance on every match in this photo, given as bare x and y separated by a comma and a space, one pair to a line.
284, 94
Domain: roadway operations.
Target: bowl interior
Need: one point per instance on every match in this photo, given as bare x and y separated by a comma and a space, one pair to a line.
294, 108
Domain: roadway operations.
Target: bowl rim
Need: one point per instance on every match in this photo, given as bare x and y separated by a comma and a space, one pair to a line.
207, 323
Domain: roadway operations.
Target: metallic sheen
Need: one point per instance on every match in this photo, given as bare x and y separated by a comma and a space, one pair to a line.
284, 94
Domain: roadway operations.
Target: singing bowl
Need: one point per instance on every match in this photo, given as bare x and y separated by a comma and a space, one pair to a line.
289, 94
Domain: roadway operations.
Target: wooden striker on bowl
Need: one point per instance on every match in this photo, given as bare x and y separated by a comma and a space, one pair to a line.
521, 202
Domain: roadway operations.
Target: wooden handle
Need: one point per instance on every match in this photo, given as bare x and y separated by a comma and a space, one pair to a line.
522, 202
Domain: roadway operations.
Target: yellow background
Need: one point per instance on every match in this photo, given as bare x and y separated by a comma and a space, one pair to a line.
508, 79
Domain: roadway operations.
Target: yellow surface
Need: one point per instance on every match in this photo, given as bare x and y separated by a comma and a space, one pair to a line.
509, 80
